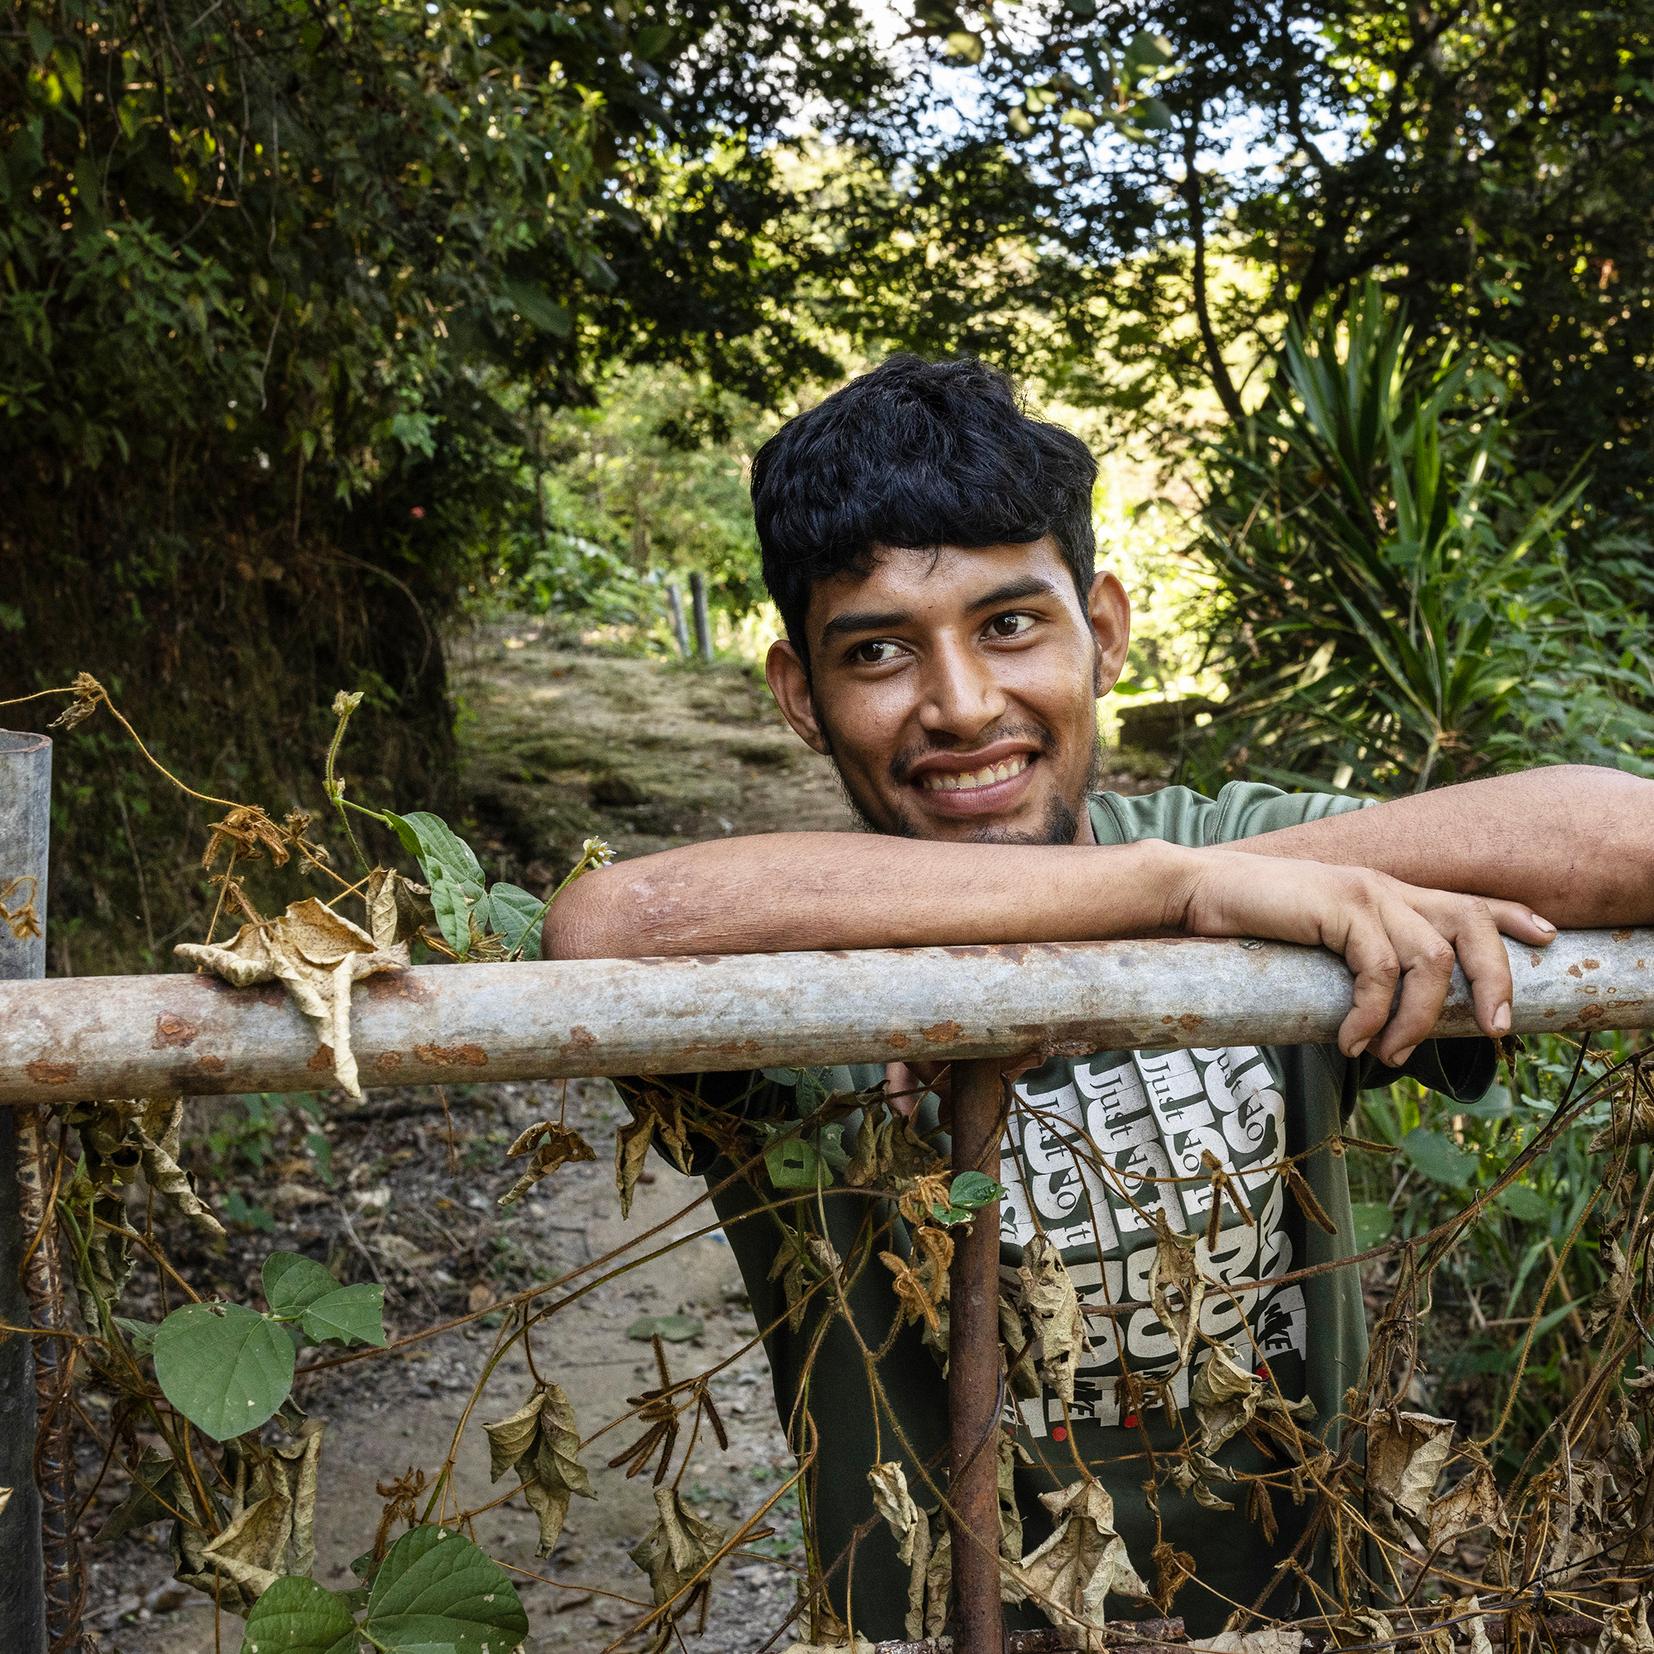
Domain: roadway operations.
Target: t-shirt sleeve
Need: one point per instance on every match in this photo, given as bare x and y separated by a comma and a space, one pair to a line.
1460, 1068
1242, 809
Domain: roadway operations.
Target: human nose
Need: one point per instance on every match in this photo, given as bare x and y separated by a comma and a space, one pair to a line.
961, 696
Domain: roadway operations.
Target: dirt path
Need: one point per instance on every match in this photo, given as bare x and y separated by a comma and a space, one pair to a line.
562, 742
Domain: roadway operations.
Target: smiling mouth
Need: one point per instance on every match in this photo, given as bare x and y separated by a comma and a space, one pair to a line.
946, 781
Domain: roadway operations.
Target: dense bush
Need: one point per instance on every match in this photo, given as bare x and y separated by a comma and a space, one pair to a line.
1398, 605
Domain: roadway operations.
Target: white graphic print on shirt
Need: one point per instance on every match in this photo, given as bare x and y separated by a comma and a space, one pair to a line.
1149, 1116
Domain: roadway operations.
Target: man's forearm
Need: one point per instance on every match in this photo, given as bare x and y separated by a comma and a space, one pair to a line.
1575, 843
805, 891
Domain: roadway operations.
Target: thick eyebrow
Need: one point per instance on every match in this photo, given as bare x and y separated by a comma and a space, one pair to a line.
892, 620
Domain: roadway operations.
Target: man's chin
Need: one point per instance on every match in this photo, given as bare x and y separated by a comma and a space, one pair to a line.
1059, 824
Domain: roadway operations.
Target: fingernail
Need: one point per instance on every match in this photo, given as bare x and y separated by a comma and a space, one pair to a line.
1401, 1056
1544, 924
1501, 1019
1360, 1046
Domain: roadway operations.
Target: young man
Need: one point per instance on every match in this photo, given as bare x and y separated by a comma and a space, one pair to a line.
930, 549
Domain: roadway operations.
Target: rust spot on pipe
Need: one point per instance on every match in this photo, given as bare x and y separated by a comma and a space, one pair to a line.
1619, 936
207, 1063
452, 1056
899, 1041
394, 985
321, 1060
1591, 1014
1590, 965
939, 1033
1189, 1021
51, 1073
1535, 957
580, 1039
386, 1061
172, 1029
1574, 970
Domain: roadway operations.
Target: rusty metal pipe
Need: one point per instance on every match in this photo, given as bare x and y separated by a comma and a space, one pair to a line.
150, 1035
974, 1365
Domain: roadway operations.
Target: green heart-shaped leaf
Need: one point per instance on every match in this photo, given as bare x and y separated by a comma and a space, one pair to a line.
298, 1616
225, 1367
436, 1590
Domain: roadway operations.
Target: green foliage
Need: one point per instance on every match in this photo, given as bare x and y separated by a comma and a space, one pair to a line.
1493, 1284
434, 1589
967, 1195
1397, 607
228, 1368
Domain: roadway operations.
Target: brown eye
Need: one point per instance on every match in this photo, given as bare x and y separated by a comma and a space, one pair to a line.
1010, 625
875, 652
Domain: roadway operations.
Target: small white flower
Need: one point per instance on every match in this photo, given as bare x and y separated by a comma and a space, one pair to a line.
596, 852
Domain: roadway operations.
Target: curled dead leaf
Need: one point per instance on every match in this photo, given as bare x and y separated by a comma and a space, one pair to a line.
316, 954
1054, 1316
398, 909
549, 1145
1176, 1286
1405, 1456
911, 1531
1072, 1573
677, 1555
540, 1442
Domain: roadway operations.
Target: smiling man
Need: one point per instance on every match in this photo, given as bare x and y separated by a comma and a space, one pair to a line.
930, 549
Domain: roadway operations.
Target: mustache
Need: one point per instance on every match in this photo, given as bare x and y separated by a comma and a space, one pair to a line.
902, 765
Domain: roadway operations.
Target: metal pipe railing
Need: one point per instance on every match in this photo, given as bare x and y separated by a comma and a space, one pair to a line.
154, 1035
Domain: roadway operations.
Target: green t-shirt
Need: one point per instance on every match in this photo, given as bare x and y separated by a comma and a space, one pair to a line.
1151, 1115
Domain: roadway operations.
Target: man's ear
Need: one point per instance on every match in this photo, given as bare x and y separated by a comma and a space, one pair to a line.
790, 685
1109, 611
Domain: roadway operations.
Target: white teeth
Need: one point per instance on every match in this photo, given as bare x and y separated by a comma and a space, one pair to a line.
939, 781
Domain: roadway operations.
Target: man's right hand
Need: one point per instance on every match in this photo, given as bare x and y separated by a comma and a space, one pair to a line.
1387, 932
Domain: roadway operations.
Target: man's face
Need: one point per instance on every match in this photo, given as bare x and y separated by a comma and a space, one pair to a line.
956, 690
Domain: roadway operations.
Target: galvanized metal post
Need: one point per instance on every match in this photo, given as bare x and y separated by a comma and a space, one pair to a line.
974, 1361
703, 623
25, 795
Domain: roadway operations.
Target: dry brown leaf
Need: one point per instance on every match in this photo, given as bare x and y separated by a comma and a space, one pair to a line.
1472, 1502
631, 1151
923, 1290
1176, 1286
1612, 1298
1054, 1314
1227, 1398
677, 1549
5, 1499
316, 954
888, 1153
1272, 1639
540, 1442
1072, 1573
398, 909
168, 1179
911, 1530
1625, 1630
271, 1513
1405, 1455
549, 1145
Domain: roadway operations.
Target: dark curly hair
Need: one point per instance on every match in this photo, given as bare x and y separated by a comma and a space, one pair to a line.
915, 454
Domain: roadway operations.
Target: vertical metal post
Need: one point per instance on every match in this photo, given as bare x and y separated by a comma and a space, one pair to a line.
703, 625
25, 795
674, 609
973, 1372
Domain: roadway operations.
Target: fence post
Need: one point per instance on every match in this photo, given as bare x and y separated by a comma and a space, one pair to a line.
25, 795
703, 625
680, 627
973, 1371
